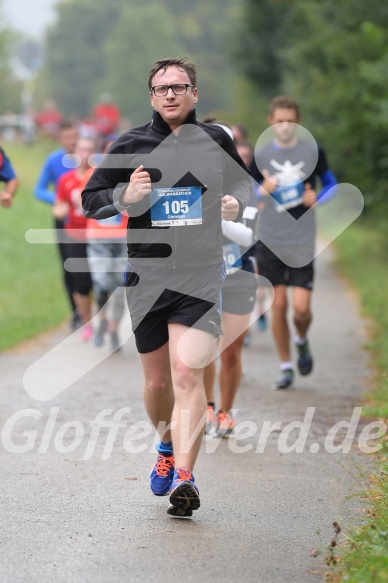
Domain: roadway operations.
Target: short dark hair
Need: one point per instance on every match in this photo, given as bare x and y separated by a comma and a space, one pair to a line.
242, 129
245, 144
283, 102
179, 62
67, 125
209, 119
214, 120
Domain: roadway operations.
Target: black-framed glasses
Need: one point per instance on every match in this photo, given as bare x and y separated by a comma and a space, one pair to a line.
177, 89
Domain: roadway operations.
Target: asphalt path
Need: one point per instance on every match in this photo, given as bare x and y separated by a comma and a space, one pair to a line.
263, 511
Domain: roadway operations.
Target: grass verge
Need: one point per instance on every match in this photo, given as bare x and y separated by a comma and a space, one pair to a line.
32, 299
362, 258
362, 252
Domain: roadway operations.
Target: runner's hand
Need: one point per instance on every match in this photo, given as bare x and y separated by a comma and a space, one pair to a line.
268, 185
229, 208
309, 197
139, 186
5, 199
61, 209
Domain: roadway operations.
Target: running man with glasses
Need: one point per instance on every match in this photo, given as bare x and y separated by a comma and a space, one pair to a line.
177, 178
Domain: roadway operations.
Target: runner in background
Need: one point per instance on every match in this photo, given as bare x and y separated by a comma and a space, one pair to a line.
240, 133
238, 300
245, 149
56, 164
106, 117
8, 176
49, 120
68, 208
107, 255
286, 170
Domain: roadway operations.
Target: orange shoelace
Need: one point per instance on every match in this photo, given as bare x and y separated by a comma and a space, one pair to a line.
164, 465
225, 420
184, 475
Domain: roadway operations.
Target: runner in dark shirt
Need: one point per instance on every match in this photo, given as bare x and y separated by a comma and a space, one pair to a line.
286, 170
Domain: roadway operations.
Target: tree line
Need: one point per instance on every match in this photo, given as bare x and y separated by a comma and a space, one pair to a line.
331, 55
110, 46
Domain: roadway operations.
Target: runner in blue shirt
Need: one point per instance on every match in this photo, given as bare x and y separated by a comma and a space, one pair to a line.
8, 176
45, 190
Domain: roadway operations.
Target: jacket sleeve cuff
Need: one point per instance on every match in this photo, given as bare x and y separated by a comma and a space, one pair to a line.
117, 198
241, 208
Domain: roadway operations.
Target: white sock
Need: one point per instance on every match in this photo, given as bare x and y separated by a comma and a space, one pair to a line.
286, 366
299, 341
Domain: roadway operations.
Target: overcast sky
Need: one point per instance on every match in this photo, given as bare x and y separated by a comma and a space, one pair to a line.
29, 16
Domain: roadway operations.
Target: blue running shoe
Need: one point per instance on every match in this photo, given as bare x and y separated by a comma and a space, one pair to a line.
305, 360
162, 475
184, 495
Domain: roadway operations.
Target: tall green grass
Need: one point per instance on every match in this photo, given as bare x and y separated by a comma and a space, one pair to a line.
32, 298
362, 256
362, 252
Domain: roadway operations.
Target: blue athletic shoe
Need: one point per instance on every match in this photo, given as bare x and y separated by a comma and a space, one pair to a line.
305, 360
162, 475
184, 495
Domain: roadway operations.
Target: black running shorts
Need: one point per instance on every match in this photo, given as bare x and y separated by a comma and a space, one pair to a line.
79, 281
278, 273
160, 296
239, 292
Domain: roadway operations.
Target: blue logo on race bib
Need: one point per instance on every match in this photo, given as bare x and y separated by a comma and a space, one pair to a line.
287, 197
232, 257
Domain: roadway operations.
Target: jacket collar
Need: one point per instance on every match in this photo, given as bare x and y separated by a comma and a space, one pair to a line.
160, 126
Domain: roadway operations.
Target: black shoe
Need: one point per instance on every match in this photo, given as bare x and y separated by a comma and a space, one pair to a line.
305, 360
178, 511
75, 321
286, 379
184, 495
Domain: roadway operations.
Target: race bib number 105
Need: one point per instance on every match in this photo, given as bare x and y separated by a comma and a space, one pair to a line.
176, 206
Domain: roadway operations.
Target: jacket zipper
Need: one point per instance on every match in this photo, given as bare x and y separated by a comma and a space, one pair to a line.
177, 179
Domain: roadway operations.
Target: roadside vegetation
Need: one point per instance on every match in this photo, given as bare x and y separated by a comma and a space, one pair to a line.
362, 259
32, 299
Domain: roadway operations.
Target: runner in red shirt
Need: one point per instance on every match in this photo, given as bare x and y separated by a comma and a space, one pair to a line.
106, 116
49, 119
107, 255
67, 206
